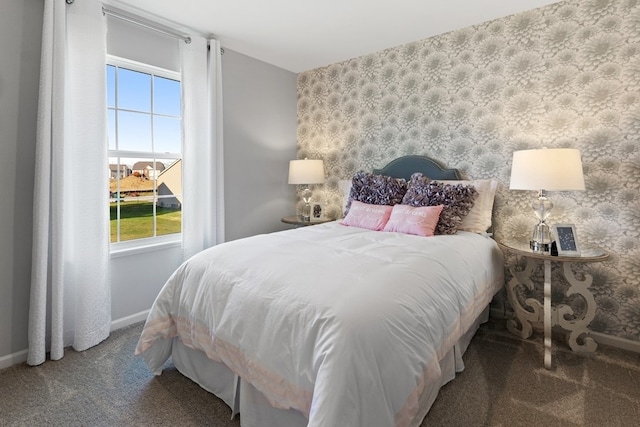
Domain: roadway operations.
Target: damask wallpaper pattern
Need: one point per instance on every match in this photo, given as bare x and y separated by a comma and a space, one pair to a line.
566, 75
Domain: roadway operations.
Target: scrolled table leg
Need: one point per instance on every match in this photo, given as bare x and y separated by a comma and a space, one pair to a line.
578, 327
521, 326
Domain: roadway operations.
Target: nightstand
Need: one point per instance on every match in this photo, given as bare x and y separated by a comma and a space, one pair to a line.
299, 222
546, 313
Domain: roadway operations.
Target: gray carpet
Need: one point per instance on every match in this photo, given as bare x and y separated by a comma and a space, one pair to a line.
504, 384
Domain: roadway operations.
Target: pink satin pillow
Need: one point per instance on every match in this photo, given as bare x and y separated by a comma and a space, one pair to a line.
364, 215
420, 221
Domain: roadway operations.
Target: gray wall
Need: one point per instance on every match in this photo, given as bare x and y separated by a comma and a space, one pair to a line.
20, 38
260, 138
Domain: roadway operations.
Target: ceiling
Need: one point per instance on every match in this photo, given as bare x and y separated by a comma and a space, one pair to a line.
300, 35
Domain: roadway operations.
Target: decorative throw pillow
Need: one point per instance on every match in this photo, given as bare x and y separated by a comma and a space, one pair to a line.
364, 215
457, 199
479, 218
420, 221
376, 189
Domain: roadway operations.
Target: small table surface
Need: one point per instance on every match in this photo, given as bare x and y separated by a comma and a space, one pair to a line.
297, 220
587, 254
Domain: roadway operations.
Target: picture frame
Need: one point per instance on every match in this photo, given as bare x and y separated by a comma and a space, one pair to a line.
317, 212
566, 239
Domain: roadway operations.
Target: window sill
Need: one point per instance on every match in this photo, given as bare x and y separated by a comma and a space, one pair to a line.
139, 246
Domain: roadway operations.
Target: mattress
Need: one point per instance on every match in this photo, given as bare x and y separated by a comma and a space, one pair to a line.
290, 318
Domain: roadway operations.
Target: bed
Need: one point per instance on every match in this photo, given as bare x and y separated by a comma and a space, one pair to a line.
331, 324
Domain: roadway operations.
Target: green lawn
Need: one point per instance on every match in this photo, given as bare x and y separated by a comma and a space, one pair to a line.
136, 220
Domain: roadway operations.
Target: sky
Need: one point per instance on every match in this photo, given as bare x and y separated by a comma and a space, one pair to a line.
134, 126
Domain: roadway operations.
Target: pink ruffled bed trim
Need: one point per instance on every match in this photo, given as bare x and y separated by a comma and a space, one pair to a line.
410, 409
277, 390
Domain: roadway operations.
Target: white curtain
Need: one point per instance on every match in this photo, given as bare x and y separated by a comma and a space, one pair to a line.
203, 180
70, 294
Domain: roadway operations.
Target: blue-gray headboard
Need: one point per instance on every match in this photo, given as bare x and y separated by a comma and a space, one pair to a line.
404, 167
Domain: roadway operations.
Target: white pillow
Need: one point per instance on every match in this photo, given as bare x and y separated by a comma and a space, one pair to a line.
479, 218
345, 188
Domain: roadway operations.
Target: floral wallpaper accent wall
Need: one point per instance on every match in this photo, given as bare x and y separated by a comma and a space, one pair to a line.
565, 75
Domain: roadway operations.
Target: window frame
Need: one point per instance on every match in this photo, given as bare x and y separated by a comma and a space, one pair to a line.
145, 244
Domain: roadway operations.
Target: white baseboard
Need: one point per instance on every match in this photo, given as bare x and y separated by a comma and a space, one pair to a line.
600, 338
610, 340
21, 356
13, 359
613, 341
129, 320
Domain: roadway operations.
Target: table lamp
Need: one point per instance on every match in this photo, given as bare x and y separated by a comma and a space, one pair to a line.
545, 169
306, 172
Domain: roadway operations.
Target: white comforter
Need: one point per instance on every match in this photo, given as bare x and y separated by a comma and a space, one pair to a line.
340, 323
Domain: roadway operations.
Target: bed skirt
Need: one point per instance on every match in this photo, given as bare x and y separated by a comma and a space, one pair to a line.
256, 411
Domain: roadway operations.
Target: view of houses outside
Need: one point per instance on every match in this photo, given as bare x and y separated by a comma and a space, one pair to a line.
145, 166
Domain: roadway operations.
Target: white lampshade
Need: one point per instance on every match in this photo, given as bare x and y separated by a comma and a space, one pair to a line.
551, 169
306, 172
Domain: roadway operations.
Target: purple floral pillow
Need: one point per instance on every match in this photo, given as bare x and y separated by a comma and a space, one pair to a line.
376, 190
458, 199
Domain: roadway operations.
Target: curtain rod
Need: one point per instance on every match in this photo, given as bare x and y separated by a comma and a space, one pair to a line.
132, 20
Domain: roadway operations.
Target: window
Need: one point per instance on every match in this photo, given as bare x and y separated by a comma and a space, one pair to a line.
145, 151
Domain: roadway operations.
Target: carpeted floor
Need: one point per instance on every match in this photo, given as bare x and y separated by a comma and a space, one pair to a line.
504, 384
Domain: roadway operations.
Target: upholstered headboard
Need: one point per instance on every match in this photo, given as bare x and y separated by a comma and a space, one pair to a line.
404, 167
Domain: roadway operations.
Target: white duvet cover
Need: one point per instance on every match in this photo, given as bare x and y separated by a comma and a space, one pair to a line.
343, 324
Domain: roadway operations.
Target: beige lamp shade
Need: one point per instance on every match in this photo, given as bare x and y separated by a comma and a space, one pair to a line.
551, 169
306, 172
